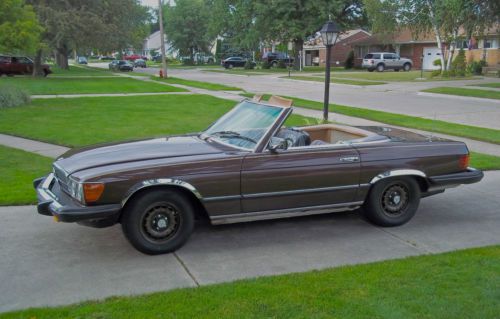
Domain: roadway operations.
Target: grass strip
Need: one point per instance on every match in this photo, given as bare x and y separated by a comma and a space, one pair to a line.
468, 131
94, 85
198, 84
495, 85
460, 91
333, 80
18, 169
459, 284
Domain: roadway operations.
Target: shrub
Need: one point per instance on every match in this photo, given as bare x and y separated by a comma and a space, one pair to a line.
459, 66
187, 62
435, 73
11, 96
266, 65
476, 67
349, 62
249, 65
281, 64
437, 62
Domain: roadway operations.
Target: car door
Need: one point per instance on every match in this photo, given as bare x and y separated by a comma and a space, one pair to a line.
302, 177
389, 60
25, 65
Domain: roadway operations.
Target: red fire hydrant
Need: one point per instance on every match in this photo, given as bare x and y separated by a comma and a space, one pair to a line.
161, 73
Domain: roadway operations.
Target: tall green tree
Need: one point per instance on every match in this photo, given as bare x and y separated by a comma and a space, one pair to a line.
186, 25
19, 28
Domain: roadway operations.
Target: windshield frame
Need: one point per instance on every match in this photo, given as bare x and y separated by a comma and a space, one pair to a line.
262, 142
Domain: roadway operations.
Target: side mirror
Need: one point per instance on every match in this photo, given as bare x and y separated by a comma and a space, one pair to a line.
277, 143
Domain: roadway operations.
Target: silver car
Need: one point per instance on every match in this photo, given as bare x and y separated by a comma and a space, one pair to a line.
381, 61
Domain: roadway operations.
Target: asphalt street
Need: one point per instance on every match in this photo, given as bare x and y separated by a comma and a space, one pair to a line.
46, 263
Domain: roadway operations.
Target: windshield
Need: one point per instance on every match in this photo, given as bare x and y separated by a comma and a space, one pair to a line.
245, 125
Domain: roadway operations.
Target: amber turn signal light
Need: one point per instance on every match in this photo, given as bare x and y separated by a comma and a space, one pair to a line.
92, 192
463, 161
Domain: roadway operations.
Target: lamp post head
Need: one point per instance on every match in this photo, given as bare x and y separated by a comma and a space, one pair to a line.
329, 33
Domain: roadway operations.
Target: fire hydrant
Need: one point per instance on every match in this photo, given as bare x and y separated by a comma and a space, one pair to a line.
161, 73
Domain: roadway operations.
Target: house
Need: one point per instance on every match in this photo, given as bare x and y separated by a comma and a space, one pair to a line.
314, 52
423, 49
152, 44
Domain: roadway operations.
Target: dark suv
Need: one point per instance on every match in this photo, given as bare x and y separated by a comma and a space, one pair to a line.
235, 61
12, 65
274, 58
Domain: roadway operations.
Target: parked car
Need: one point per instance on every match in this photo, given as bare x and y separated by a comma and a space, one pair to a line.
247, 166
233, 62
381, 61
82, 60
121, 65
19, 65
139, 63
274, 58
134, 57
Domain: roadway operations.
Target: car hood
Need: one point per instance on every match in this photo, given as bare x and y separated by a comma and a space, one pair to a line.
108, 154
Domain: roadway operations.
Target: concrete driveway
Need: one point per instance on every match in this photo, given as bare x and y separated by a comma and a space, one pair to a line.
45, 263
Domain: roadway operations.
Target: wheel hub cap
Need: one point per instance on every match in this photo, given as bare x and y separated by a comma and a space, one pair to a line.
160, 222
395, 199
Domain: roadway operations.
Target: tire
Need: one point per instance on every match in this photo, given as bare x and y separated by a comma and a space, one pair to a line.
274, 64
142, 217
230, 66
371, 70
392, 202
45, 73
396, 70
380, 67
407, 67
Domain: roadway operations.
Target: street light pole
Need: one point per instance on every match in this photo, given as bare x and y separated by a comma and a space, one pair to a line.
327, 83
329, 33
162, 41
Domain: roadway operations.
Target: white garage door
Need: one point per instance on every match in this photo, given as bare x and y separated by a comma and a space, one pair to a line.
431, 54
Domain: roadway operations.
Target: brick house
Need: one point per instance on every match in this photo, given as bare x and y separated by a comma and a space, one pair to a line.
423, 50
315, 52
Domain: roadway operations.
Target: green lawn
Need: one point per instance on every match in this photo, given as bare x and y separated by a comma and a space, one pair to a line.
86, 85
77, 71
495, 85
461, 284
18, 169
484, 162
198, 84
333, 80
472, 132
486, 94
82, 121
392, 76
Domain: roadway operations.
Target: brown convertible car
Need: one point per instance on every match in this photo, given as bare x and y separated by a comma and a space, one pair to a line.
247, 166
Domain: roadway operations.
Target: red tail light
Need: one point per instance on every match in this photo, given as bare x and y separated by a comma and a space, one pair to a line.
463, 161
372, 61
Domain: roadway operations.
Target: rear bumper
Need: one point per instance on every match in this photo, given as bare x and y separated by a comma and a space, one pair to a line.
470, 176
52, 201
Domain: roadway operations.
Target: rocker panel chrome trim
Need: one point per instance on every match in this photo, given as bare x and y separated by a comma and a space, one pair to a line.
283, 213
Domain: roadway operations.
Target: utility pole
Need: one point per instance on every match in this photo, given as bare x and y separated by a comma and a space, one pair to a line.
162, 36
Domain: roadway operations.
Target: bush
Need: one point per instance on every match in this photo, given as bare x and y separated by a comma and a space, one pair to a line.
281, 64
437, 62
11, 96
266, 65
249, 65
187, 62
459, 66
349, 62
435, 73
476, 67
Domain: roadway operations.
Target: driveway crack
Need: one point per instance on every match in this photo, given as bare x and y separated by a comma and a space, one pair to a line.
186, 269
406, 242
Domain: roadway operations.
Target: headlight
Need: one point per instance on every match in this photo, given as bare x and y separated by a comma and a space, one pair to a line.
75, 189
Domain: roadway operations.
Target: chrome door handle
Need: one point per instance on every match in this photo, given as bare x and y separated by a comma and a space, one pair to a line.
350, 159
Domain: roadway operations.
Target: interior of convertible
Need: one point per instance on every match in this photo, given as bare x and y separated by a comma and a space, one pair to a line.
321, 134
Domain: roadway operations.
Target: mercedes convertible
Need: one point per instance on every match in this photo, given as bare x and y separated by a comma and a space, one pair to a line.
248, 166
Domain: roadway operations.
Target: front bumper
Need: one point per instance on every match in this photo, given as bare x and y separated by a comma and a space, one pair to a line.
470, 176
52, 201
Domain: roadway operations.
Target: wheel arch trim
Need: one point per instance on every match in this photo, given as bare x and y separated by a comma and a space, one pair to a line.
398, 172
161, 182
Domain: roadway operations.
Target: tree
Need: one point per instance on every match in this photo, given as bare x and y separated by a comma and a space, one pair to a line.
91, 24
19, 28
252, 22
186, 26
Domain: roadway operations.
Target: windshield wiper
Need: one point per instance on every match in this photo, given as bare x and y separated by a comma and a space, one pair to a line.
231, 134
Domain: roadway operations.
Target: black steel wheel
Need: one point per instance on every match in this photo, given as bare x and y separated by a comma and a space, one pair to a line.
158, 221
392, 202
